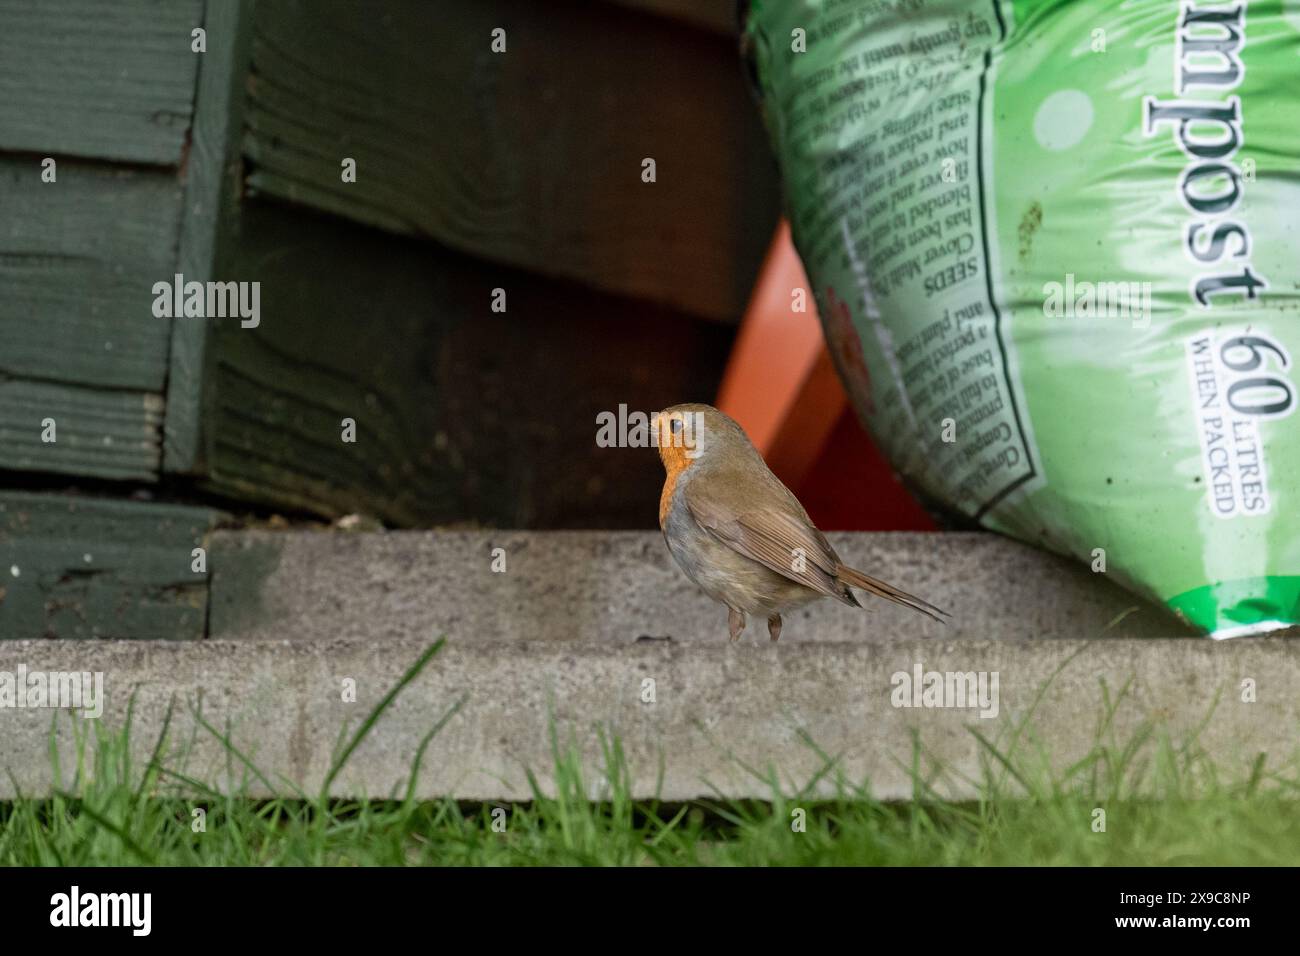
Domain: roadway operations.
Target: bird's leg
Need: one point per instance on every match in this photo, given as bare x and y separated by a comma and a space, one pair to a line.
774, 626
735, 623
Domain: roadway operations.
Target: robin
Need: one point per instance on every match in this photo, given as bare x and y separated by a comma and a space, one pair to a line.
740, 534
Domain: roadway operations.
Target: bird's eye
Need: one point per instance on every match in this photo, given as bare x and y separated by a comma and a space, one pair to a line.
675, 426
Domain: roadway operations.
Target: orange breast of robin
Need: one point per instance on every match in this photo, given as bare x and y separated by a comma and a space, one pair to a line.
675, 462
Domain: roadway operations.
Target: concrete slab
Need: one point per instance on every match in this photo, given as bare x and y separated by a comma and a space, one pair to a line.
717, 709
619, 586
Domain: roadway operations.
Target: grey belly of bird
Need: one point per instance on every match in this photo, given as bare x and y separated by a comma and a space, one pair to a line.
727, 576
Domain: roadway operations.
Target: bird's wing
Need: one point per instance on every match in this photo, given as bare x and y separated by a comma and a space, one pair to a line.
774, 532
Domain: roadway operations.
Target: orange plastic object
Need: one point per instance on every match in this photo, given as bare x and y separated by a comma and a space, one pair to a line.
776, 349
781, 386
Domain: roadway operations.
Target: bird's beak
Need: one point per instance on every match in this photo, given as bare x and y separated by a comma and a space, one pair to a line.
657, 429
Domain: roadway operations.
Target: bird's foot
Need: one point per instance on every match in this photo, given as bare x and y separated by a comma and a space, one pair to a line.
735, 623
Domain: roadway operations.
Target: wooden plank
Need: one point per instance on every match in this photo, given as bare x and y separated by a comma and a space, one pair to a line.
345, 332
98, 433
76, 567
718, 16
532, 157
213, 187
78, 260
462, 414
103, 80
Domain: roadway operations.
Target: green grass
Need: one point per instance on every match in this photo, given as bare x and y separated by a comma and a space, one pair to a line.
113, 813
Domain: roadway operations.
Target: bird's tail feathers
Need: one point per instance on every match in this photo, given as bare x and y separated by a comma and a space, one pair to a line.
879, 588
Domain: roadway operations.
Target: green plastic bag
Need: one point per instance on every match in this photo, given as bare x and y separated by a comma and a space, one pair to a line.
1056, 251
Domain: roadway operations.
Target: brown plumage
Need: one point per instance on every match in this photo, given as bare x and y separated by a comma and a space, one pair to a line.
740, 534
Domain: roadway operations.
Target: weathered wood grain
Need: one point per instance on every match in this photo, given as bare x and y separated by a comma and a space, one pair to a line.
98, 433
213, 186
716, 15
78, 260
75, 567
346, 332
532, 157
462, 414
103, 80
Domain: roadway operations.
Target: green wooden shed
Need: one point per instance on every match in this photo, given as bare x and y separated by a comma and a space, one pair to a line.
444, 210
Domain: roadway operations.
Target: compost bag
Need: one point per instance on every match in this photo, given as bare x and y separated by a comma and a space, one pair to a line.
1054, 249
